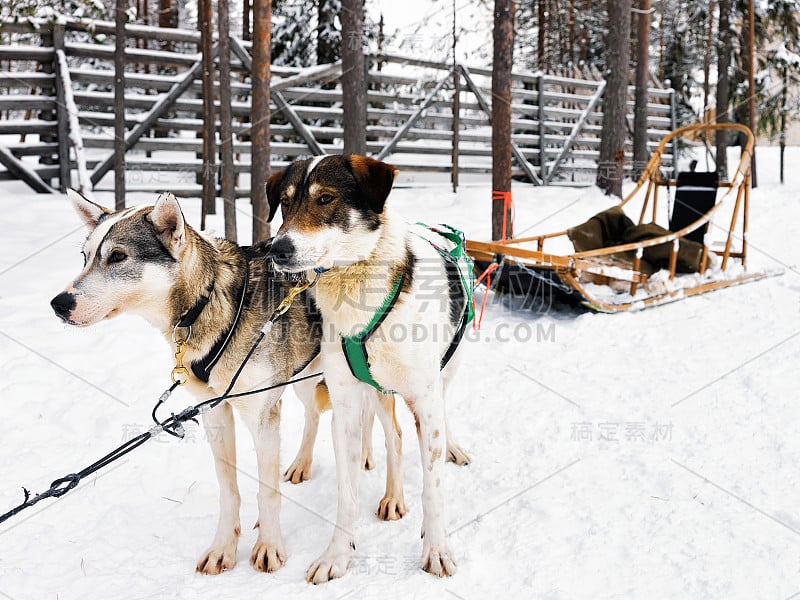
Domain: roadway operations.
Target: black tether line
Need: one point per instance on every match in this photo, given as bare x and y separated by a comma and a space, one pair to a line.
172, 425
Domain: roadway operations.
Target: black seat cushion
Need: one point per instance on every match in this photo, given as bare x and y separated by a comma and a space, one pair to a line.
695, 195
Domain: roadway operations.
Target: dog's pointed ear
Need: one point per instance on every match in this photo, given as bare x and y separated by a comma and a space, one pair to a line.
168, 220
86, 209
375, 178
274, 193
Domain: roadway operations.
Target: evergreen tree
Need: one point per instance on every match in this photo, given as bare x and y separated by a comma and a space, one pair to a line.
572, 34
293, 33
682, 36
612, 138
640, 112
781, 69
777, 39
723, 85
19, 10
308, 32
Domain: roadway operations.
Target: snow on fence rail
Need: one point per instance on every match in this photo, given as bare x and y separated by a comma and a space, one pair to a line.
556, 121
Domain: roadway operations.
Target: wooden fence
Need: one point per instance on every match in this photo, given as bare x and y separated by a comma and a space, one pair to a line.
56, 112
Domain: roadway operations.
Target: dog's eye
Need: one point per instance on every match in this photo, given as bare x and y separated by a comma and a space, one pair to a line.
325, 199
116, 256
85, 258
285, 200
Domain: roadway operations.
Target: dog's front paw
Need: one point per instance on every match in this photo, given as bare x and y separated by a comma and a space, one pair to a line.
267, 557
391, 508
329, 566
438, 560
299, 471
456, 454
218, 559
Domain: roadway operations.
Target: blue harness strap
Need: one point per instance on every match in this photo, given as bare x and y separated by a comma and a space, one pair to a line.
354, 346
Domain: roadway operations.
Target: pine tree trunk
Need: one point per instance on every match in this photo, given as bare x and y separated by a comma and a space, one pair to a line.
571, 39
167, 17
584, 55
209, 174
723, 85
707, 59
354, 88
661, 29
120, 17
246, 21
611, 161
784, 107
558, 38
501, 117
226, 121
640, 153
751, 85
326, 48
260, 116
542, 34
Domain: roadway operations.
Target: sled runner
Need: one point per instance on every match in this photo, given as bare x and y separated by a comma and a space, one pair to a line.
618, 265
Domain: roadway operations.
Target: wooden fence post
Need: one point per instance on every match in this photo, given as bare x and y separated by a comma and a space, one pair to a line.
47, 114
64, 179
209, 172
541, 117
160, 106
119, 105
673, 115
226, 122
566, 147
456, 111
315, 115
260, 117
354, 87
502, 226
389, 148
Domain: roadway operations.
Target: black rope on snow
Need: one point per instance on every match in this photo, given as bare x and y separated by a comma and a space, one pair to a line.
161, 399
172, 425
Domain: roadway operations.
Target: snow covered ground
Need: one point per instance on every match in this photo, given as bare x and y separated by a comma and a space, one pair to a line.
643, 455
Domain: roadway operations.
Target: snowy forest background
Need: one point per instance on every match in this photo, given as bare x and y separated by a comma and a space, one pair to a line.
551, 36
694, 494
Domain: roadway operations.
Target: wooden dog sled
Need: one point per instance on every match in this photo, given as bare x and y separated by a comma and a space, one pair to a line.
608, 273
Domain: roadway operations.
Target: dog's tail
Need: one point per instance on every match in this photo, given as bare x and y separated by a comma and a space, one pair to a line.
321, 397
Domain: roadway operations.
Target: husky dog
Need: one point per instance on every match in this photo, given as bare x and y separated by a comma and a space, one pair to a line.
147, 260
335, 223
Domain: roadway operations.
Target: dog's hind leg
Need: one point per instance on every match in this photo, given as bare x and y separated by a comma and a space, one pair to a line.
264, 421
314, 397
428, 408
367, 422
221, 556
392, 506
455, 453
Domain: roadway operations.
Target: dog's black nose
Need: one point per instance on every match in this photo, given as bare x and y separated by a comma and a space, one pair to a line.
63, 304
282, 250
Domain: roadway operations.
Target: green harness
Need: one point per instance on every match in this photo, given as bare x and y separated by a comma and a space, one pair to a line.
354, 346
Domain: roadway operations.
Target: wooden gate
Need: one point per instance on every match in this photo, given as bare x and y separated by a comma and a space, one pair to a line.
56, 112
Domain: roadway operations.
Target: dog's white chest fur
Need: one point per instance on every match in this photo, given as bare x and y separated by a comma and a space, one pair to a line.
417, 331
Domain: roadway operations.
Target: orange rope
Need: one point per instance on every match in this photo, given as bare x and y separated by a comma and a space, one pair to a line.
476, 323
505, 197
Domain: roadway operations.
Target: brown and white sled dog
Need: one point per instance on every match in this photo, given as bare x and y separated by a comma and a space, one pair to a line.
147, 260
334, 220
